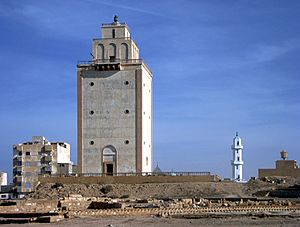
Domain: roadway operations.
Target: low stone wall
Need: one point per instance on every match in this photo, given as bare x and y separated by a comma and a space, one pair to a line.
126, 179
30, 206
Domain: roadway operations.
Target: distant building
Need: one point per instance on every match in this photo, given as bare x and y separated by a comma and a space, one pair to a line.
114, 106
3, 178
237, 159
6, 191
284, 168
38, 157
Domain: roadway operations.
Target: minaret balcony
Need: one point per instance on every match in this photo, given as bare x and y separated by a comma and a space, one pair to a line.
237, 147
234, 162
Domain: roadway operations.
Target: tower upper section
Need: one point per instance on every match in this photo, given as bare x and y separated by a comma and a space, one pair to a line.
237, 142
116, 44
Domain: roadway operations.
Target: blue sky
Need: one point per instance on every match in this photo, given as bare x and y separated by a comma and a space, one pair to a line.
219, 67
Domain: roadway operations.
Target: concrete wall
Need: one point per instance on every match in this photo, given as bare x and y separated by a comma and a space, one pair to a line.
63, 153
128, 179
109, 124
121, 31
146, 121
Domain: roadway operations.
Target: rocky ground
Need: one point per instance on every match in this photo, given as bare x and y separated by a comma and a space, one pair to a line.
164, 190
94, 204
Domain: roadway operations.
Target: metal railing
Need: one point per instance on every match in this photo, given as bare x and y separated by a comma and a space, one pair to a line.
118, 23
110, 61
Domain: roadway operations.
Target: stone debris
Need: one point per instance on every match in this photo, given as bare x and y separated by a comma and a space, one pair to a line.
162, 200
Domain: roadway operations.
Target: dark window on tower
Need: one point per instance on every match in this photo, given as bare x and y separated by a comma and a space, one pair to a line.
238, 142
113, 33
238, 158
27, 153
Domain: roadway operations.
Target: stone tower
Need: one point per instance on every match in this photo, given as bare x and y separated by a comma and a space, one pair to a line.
114, 106
237, 161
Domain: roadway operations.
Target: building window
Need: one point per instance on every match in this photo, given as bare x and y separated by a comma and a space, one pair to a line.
19, 163
27, 153
92, 142
238, 158
238, 143
126, 111
3, 196
146, 161
126, 82
114, 33
91, 84
19, 184
20, 153
27, 164
126, 141
28, 186
27, 174
92, 112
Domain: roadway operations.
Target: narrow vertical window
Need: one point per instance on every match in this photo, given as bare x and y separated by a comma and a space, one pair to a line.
113, 33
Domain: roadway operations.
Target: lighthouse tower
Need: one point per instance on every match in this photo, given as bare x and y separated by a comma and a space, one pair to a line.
237, 159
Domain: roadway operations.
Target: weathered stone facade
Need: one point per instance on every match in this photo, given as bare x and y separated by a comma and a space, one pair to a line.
114, 106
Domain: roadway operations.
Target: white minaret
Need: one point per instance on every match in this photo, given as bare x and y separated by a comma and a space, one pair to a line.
237, 161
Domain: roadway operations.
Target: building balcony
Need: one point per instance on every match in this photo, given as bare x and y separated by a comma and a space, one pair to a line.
46, 159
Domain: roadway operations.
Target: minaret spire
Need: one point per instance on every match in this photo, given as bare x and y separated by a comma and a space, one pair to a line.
237, 161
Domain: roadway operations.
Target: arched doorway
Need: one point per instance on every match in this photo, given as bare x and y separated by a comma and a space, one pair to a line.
109, 160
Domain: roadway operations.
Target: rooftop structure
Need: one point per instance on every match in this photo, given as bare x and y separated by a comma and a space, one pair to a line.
283, 168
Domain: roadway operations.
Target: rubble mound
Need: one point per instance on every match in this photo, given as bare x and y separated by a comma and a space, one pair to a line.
154, 190
165, 190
